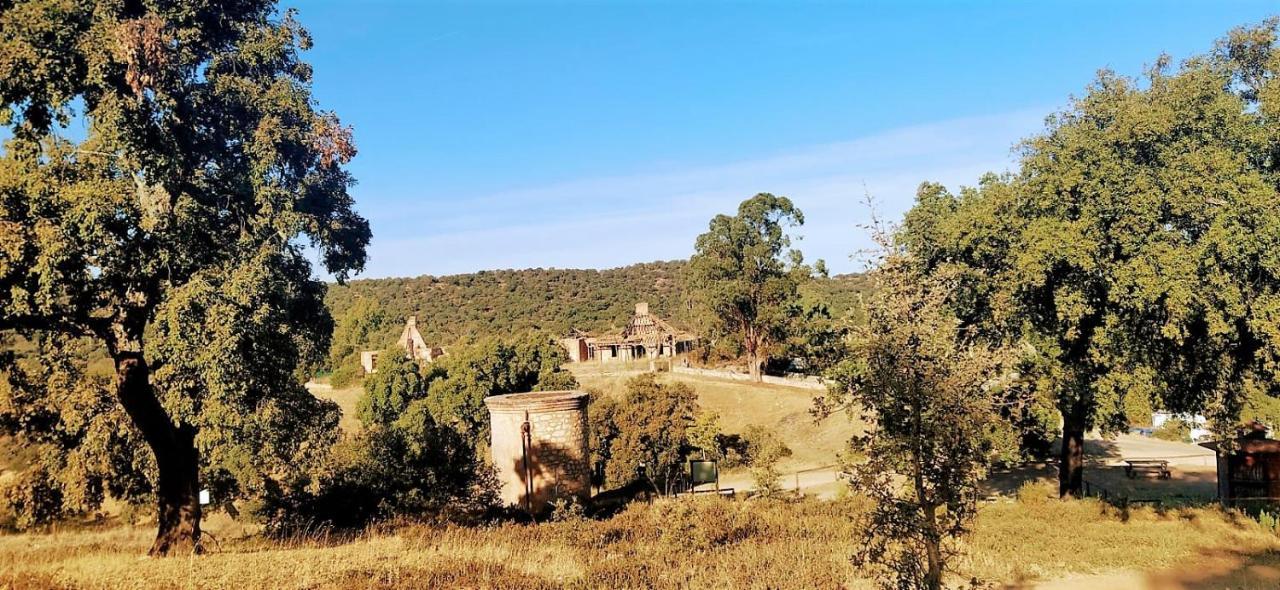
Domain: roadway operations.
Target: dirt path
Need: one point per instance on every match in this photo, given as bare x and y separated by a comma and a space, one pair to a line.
819, 482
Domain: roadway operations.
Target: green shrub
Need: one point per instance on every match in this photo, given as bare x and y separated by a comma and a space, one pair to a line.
346, 374
764, 450
649, 429
1174, 430
411, 468
399, 381
32, 500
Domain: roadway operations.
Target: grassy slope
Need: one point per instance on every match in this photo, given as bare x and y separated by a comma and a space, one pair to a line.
707, 542
785, 409
345, 397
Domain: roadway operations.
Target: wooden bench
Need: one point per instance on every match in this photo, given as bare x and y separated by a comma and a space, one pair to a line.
1160, 467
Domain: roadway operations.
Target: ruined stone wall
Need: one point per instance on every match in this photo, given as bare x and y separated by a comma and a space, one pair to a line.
553, 456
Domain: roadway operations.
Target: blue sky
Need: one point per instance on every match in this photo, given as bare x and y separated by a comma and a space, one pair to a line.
598, 134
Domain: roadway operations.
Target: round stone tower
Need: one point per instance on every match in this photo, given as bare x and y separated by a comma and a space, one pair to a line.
539, 446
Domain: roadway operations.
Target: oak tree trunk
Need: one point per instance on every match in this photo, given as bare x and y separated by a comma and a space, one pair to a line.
933, 548
177, 489
1071, 457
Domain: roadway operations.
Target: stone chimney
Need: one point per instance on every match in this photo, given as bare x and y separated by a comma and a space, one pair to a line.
642, 308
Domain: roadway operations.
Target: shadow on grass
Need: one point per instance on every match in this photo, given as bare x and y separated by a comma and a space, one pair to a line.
1005, 481
1223, 568
1212, 569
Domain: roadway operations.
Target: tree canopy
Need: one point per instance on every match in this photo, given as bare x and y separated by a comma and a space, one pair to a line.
171, 231
399, 381
1135, 248
745, 277
461, 380
645, 431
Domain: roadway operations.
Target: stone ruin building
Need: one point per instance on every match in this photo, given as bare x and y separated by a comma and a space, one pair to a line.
645, 336
411, 341
539, 443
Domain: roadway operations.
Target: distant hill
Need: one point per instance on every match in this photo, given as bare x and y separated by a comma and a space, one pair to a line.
458, 307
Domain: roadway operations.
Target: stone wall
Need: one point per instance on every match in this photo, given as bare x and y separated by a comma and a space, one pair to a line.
552, 458
795, 380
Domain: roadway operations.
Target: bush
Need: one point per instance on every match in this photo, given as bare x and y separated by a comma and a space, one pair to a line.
1174, 430
567, 510
412, 468
649, 428
1036, 493
602, 432
468, 374
764, 450
387, 393
32, 500
345, 374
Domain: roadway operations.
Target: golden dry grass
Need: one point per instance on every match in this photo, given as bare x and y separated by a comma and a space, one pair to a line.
346, 398
703, 543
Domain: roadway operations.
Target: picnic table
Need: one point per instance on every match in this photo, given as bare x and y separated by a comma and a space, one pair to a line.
1160, 467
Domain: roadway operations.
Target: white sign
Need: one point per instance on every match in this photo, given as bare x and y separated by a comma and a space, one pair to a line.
204, 497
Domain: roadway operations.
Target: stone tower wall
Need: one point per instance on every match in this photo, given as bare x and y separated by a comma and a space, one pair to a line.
553, 458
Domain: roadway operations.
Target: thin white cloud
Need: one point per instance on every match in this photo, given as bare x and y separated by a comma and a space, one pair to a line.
614, 221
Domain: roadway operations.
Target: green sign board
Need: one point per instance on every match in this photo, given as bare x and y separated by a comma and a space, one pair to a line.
701, 472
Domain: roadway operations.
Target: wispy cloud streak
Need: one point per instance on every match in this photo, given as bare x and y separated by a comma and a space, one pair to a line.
613, 221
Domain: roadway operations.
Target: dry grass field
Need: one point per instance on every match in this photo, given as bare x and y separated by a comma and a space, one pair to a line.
346, 398
1030, 542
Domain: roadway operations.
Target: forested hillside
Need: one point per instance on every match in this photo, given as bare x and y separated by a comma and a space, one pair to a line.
370, 313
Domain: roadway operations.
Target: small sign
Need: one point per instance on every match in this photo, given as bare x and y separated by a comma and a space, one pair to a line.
204, 497
702, 472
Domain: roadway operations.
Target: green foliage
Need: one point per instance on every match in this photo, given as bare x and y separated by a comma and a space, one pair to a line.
411, 468
369, 314
568, 510
172, 230
1134, 248
745, 278
388, 392
603, 427
30, 501
705, 436
78, 444
1174, 429
229, 356
347, 373
935, 396
764, 450
455, 308
1269, 521
1262, 408
493, 366
645, 431
364, 325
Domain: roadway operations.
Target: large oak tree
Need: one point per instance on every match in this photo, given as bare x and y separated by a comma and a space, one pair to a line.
166, 170
1135, 250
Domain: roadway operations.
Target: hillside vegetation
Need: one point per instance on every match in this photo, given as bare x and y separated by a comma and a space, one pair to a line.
369, 314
